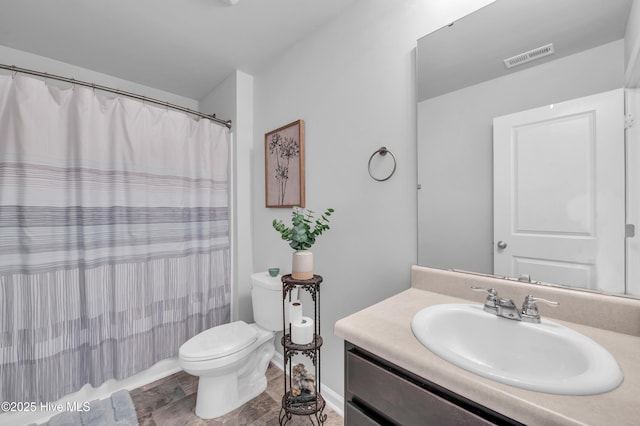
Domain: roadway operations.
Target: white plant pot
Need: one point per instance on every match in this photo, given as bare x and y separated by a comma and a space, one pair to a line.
302, 265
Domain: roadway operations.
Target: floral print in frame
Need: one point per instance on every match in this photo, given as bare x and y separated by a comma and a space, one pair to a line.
284, 166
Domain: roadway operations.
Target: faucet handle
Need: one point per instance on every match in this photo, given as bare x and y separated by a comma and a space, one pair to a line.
530, 309
490, 304
489, 291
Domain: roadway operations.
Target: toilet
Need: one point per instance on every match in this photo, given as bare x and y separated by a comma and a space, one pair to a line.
231, 359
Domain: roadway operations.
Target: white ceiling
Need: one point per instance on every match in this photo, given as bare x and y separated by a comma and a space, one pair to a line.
185, 47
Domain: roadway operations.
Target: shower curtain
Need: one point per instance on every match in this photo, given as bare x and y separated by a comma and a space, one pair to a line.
114, 236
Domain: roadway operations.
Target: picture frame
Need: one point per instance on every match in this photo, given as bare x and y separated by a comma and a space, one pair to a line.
284, 166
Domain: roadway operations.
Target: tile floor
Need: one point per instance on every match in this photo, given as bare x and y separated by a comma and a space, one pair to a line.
171, 401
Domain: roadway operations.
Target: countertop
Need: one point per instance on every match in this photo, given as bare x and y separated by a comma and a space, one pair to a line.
384, 329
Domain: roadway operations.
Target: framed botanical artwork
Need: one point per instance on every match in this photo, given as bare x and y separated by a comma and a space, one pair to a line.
284, 165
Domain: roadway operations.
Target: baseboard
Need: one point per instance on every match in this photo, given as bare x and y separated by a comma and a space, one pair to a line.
333, 398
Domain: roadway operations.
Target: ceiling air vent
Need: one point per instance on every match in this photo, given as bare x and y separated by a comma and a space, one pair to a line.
529, 56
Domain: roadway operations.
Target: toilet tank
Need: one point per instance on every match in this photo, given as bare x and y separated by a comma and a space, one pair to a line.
266, 298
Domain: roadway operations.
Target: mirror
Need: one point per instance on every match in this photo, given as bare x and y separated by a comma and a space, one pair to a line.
463, 84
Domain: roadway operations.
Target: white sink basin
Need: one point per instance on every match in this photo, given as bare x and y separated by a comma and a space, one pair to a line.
546, 357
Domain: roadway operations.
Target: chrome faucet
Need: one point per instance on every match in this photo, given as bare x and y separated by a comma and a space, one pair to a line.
503, 307
530, 309
490, 304
507, 309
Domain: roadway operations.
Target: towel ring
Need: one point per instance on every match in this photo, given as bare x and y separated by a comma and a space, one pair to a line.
382, 151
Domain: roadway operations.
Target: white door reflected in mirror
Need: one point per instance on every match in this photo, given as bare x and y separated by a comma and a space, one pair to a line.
559, 199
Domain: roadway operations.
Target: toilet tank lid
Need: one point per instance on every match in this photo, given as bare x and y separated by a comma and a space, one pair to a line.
264, 280
219, 341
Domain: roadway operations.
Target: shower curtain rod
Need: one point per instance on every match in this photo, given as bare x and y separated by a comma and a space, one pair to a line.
211, 117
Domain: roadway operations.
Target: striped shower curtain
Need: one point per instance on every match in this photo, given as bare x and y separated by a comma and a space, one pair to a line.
114, 236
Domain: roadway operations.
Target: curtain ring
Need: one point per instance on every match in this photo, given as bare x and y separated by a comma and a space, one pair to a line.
382, 151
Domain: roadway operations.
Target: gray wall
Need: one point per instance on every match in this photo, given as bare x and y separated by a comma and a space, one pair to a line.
233, 99
353, 84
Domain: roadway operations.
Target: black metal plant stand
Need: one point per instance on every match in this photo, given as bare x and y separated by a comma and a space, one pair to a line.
312, 407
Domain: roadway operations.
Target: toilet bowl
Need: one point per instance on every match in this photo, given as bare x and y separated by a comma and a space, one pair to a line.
231, 359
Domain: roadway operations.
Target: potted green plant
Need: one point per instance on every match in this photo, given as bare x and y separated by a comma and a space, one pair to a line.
302, 234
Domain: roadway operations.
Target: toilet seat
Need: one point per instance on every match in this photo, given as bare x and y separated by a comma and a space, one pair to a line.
219, 341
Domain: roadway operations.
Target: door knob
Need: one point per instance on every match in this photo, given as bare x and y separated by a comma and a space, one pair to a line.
502, 245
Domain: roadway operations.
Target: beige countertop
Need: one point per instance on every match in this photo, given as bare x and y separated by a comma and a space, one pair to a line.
384, 329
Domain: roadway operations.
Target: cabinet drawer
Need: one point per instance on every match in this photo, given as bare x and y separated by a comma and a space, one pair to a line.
400, 400
356, 417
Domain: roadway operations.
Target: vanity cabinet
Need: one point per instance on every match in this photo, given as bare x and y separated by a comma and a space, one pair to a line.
380, 393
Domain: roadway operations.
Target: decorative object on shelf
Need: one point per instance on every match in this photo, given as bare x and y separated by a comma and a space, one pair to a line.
302, 264
301, 236
302, 395
303, 382
383, 151
284, 166
274, 272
